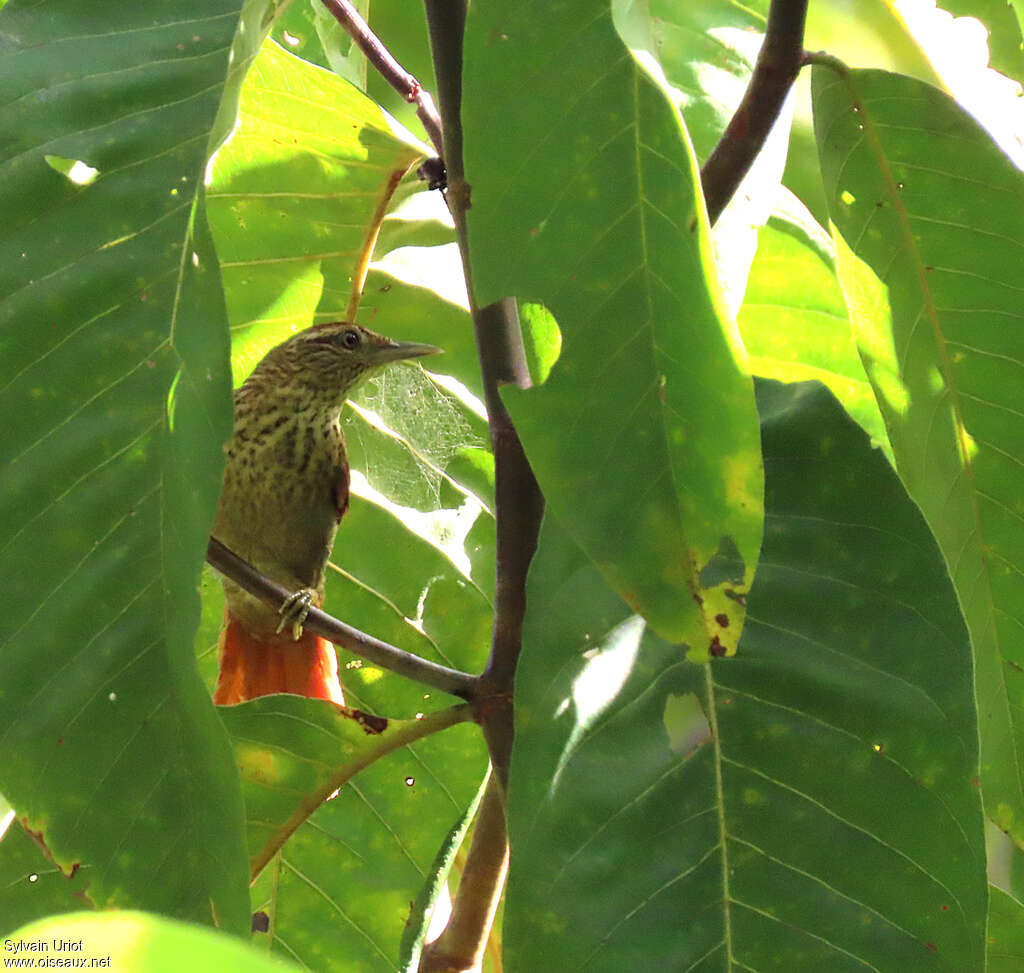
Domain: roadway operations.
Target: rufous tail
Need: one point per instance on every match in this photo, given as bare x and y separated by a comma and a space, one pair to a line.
257, 665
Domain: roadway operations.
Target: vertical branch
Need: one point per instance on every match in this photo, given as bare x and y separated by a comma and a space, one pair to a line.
519, 507
519, 504
476, 900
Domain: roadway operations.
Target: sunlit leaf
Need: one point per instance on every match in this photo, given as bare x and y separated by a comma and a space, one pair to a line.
294, 196
600, 222
794, 319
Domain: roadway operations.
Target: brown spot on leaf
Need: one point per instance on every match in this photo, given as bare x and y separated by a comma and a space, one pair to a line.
370, 723
260, 922
737, 596
716, 648
722, 619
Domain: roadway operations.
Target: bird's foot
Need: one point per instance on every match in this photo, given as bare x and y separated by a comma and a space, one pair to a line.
295, 609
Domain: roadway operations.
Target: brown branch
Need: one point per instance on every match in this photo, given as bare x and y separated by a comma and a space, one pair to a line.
392, 72
380, 653
779, 62
460, 947
519, 508
519, 504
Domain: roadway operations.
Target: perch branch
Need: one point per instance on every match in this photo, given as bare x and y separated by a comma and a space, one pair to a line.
380, 653
392, 72
778, 63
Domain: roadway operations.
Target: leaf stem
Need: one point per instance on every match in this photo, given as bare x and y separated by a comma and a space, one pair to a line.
392, 72
380, 653
370, 242
778, 64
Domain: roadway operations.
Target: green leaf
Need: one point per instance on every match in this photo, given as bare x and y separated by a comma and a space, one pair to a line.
1002, 20
338, 895
599, 220
31, 886
934, 215
113, 368
1005, 932
795, 322
293, 198
806, 805
293, 753
140, 941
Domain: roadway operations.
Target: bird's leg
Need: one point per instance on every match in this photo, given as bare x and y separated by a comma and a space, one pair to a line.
295, 609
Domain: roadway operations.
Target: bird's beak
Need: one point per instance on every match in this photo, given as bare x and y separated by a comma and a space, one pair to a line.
402, 350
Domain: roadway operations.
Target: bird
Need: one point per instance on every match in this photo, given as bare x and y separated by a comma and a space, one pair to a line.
284, 491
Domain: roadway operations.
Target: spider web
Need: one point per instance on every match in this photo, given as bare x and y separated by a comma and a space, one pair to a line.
402, 430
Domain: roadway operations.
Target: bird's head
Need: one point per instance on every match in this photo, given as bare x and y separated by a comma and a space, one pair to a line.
336, 356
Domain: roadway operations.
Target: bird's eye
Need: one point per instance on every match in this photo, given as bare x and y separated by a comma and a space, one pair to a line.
351, 339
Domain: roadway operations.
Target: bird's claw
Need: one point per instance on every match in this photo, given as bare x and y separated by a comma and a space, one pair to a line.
295, 609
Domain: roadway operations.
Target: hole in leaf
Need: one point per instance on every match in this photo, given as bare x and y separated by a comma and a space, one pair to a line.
80, 173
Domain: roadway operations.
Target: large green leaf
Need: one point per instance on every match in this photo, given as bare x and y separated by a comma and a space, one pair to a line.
809, 804
935, 213
294, 753
138, 941
113, 382
584, 200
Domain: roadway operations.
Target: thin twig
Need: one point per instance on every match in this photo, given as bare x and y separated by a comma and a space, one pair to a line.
392, 72
380, 653
780, 60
